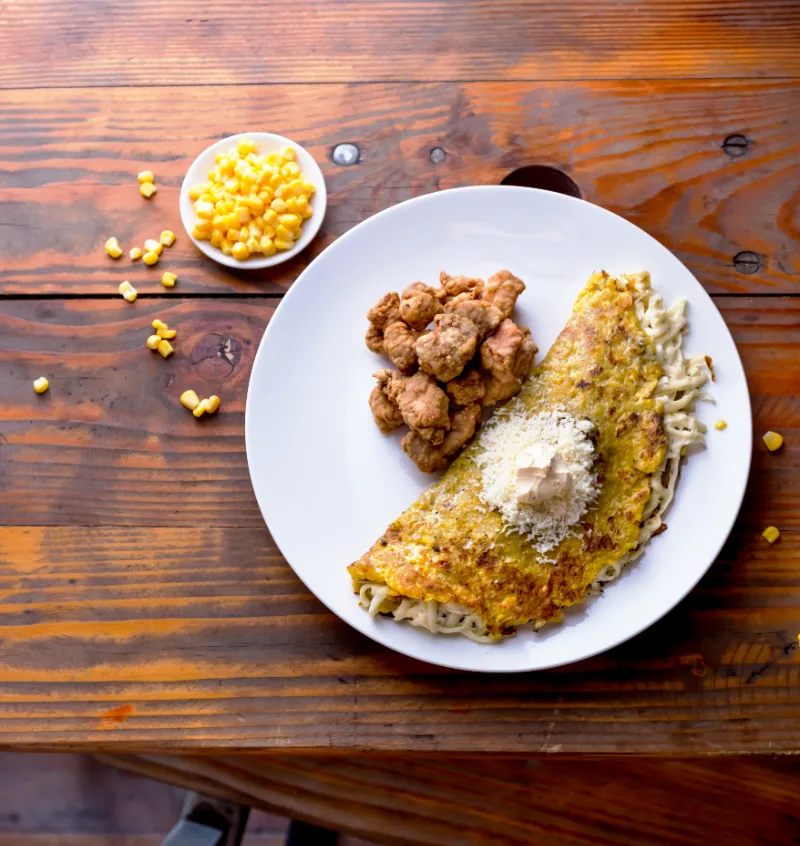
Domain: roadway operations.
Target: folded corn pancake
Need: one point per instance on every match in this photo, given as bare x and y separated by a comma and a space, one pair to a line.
467, 558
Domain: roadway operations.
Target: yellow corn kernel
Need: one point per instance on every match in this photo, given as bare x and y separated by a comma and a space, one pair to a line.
280, 244
267, 247
153, 341
135, 253
270, 216
240, 251
167, 238
282, 233
255, 205
167, 334
279, 206
720, 425
145, 176
771, 534
147, 190
168, 279
243, 214
226, 247
294, 189
229, 206
165, 348
259, 221
113, 248
41, 385
301, 202
229, 221
204, 208
190, 400
200, 234
128, 291
273, 158
233, 235
296, 234
280, 192
773, 441
288, 153
290, 221
255, 230
291, 169
198, 191
150, 258
159, 324
153, 246
307, 213
309, 186
269, 231
291, 204
232, 185
245, 146
212, 404
216, 237
253, 245
200, 409
274, 181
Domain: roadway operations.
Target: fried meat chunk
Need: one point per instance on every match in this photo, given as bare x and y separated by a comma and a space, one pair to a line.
385, 410
374, 339
398, 344
502, 290
467, 388
422, 403
419, 305
484, 315
385, 311
445, 351
507, 357
430, 458
452, 286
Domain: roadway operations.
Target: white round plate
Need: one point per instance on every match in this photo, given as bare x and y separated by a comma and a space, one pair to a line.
328, 483
266, 142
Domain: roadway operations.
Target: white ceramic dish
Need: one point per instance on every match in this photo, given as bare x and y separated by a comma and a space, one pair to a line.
266, 142
329, 483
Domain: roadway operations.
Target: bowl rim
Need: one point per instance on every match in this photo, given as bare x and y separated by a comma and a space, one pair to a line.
310, 228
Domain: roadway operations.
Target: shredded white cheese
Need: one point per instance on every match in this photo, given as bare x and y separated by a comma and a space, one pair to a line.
509, 436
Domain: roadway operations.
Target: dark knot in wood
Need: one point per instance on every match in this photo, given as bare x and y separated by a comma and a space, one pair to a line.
346, 154
736, 145
216, 356
747, 262
545, 177
437, 155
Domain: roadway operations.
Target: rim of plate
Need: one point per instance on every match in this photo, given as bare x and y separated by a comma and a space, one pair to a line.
360, 623
309, 167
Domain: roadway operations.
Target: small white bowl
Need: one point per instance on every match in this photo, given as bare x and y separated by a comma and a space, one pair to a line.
265, 142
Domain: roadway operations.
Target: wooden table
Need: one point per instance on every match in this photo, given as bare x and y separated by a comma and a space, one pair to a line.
144, 606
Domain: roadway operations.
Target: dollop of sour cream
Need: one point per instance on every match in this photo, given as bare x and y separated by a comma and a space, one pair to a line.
542, 473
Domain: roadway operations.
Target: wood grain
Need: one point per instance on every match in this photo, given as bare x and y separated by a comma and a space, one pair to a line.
109, 444
48, 43
650, 151
484, 801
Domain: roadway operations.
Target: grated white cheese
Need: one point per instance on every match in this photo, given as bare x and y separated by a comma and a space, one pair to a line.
504, 442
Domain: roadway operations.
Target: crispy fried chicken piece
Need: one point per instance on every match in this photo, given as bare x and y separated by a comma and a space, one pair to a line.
507, 357
452, 286
398, 343
484, 315
502, 290
385, 410
422, 403
385, 311
430, 458
374, 339
445, 351
419, 305
467, 388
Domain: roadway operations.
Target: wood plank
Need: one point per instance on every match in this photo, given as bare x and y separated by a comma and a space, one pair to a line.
147, 639
62, 44
516, 803
649, 150
110, 445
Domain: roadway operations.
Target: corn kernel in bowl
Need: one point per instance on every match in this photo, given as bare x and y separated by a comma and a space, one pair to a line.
238, 189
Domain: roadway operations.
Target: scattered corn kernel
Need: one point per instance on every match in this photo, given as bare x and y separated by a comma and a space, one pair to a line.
773, 441
113, 248
167, 238
145, 176
168, 279
41, 385
212, 403
165, 348
159, 324
771, 534
240, 251
135, 253
168, 334
720, 425
153, 341
190, 400
238, 208
201, 408
150, 258
128, 291
147, 190
153, 246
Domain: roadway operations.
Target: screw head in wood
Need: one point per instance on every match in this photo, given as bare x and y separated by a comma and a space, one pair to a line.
747, 262
437, 155
736, 145
346, 154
